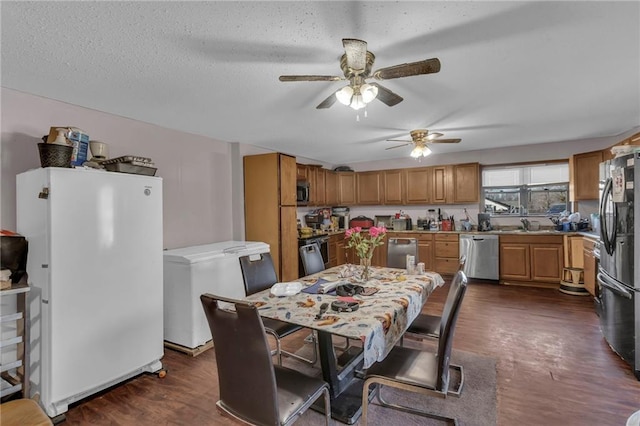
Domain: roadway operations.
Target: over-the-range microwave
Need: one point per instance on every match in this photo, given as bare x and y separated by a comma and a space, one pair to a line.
302, 191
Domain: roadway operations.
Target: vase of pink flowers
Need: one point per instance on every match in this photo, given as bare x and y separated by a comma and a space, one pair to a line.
364, 244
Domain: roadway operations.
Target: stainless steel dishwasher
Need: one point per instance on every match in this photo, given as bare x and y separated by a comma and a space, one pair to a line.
483, 254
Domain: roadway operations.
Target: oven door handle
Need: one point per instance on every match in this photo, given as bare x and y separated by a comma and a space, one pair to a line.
613, 286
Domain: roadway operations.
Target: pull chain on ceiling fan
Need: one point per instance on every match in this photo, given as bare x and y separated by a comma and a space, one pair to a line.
356, 64
420, 138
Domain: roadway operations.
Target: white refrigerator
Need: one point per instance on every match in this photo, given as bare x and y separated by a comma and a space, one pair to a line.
191, 271
95, 270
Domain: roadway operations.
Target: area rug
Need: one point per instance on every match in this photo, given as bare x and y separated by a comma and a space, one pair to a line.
476, 406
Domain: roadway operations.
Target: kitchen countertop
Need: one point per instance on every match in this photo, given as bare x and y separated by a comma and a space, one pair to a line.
587, 234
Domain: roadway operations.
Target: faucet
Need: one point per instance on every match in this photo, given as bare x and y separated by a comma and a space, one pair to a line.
525, 223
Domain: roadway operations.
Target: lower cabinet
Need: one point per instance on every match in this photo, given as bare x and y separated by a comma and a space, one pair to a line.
336, 249
531, 259
590, 263
446, 253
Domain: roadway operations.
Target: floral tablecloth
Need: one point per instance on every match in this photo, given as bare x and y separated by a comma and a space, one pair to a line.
381, 318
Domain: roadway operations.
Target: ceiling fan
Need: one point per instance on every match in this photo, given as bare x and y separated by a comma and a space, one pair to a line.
420, 138
356, 65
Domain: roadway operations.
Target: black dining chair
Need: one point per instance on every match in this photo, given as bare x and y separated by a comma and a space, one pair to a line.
427, 325
417, 370
398, 249
312, 261
252, 388
258, 273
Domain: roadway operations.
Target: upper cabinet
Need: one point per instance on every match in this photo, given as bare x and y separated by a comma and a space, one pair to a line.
441, 185
450, 184
393, 186
331, 188
466, 183
346, 188
317, 186
369, 188
418, 185
302, 171
584, 175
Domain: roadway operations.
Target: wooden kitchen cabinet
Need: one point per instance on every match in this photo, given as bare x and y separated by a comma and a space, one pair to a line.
346, 188
317, 186
425, 251
446, 253
302, 171
573, 247
418, 185
330, 188
584, 175
393, 186
442, 185
336, 249
531, 259
369, 187
590, 265
466, 183
270, 208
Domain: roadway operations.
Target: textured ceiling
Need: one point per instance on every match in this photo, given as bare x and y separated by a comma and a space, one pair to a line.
513, 73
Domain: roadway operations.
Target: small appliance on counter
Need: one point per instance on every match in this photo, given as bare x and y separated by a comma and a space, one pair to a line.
484, 222
342, 213
313, 220
402, 224
385, 221
361, 221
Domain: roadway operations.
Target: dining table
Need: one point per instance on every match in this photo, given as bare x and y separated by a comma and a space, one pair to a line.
373, 319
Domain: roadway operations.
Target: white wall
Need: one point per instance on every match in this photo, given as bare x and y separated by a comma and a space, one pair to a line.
198, 172
202, 177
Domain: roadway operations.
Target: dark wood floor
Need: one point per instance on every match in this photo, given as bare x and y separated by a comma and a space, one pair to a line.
554, 367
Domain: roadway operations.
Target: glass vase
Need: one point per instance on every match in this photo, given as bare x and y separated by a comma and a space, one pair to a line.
365, 262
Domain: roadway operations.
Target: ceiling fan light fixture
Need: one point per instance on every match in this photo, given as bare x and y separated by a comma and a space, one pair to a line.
344, 95
369, 92
420, 151
357, 102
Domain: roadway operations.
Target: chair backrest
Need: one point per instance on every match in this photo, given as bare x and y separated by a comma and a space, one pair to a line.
398, 249
312, 261
447, 326
258, 272
461, 262
246, 374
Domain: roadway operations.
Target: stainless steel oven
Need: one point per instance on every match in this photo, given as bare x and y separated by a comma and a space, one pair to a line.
323, 243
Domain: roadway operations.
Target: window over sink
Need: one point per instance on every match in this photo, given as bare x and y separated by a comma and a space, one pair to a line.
525, 190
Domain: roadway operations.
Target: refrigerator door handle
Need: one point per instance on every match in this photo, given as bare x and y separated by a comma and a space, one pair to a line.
613, 286
608, 236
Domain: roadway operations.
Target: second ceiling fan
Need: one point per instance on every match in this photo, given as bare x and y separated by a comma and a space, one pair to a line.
356, 64
420, 138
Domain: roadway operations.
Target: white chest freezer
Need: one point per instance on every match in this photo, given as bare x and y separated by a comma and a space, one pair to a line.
191, 271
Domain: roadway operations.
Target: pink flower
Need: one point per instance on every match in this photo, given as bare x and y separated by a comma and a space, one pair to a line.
373, 231
347, 233
357, 229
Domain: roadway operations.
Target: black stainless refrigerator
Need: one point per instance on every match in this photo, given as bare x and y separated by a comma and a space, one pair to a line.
619, 270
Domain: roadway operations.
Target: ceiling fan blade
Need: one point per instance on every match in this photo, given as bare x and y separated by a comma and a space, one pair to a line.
328, 102
399, 146
356, 51
428, 66
399, 140
310, 78
387, 96
445, 141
